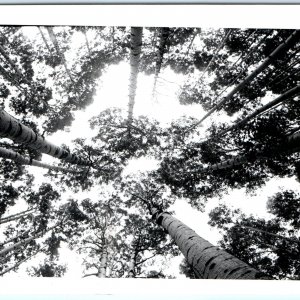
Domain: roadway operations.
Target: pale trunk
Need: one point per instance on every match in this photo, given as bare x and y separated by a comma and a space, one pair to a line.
216, 53
131, 266
19, 263
103, 263
17, 216
44, 39
292, 144
165, 32
22, 160
135, 52
87, 41
207, 261
61, 55
13, 129
14, 238
290, 41
269, 233
287, 95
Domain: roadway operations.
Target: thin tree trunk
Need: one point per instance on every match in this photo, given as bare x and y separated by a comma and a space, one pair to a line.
17, 216
269, 233
164, 35
45, 40
208, 261
22, 160
292, 144
14, 238
135, 52
131, 266
13, 129
24, 242
294, 37
86, 40
103, 263
56, 46
19, 263
287, 95
215, 54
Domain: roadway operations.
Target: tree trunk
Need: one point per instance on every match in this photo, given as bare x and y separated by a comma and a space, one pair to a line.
14, 238
216, 53
19, 263
285, 45
164, 35
103, 263
295, 240
61, 55
18, 158
17, 216
292, 144
287, 95
135, 52
13, 129
207, 260
86, 41
131, 266
44, 39
24, 242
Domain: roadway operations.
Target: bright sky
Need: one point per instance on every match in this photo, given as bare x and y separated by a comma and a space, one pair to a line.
113, 92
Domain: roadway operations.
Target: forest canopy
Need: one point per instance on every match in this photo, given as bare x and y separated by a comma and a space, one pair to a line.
112, 138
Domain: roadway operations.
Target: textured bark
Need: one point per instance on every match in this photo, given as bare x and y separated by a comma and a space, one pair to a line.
131, 265
162, 49
56, 46
86, 41
208, 261
269, 233
287, 95
103, 263
292, 144
14, 238
290, 41
13, 129
135, 52
17, 216
18, 158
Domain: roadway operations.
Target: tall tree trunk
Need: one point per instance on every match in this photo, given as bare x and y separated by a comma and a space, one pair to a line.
135, 52
292, 144
18, 158
132, 264
45, 40
17, 216
19, 263
14, 238
285, 45
24, 242
86, 40
221, 45
61, 55
208, 261
13, 129
103, 263
162, 49
285, 96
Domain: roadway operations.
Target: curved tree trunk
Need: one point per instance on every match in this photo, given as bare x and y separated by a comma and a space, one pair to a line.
18, 158
285, 45
162, 49
13, 129
135, 52
208, 261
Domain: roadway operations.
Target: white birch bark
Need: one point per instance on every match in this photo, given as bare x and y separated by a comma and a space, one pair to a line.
103, 263
135, 52
13, 129
285, 45
22, 160
208, 261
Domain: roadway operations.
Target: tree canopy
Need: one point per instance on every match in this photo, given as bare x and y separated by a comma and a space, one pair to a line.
105, 130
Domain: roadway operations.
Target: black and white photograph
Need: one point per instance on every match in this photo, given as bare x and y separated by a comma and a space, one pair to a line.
149, 152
